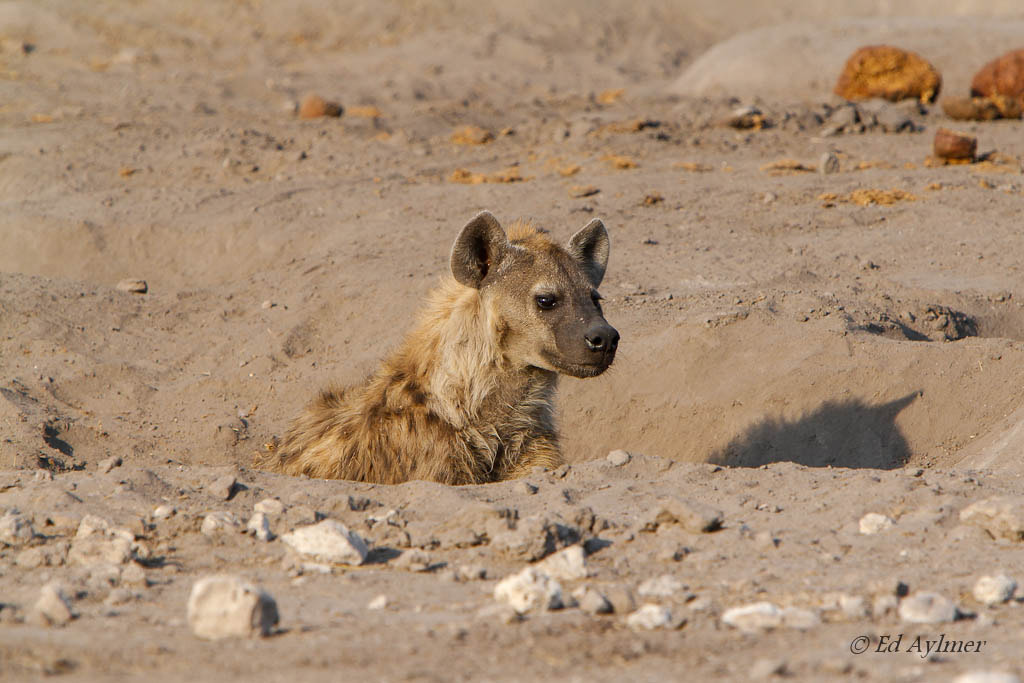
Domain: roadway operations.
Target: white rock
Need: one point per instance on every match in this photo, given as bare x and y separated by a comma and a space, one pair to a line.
853, 606
872, 523
379, 602
134, 575
15, 529
328, 541
799, 618
219, 522
529, 589
164, 511
53, 608
567, 565
98, 542
269, 506
759, 616
986, 677
663, 586
883, 604
927, 608
828, 163
591, 600
650, 617
619, 457
413, 560
993, 590
226, 606
259, 526
471, 572
134, 286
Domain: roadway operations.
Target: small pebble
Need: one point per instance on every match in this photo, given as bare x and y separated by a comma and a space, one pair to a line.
222, 487
108, 464
592, 601
217, 522
529, 589
227, 606
650, 617
313, 106
766, 667
53, 608
663, 586
994, 590
259, 526
133, 286
986, 677
828, 163
525, 488
269, 506
568, 564
619, 457
873, 523
164, 511
379, 602
328, 541
759, 616
925, 607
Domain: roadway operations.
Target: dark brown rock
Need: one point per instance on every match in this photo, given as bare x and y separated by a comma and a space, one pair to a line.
952, 145
890, 73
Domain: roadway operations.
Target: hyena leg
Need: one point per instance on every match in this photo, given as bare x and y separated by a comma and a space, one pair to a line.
541, 452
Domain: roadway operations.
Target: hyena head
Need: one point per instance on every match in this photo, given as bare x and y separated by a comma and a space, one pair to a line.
542, 297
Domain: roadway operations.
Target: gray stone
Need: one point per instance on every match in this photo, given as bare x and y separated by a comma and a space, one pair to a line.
925, 607
53, 608
759, 616
227, 606
98, 542
219, 522
592, 601
222, 487
619, 457
108, 464
413, 561
15, 529
568, 564
828, 163
534, 538
270, 507
528, 590
1002, 516
259, 526
524, 488
328, 541
664, 586
692, 516
873, 523
650, 617
994, 590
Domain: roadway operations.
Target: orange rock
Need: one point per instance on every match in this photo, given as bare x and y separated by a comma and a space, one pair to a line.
313, 106
982, 108
890, 73
472, 135
1002, 76
951, 145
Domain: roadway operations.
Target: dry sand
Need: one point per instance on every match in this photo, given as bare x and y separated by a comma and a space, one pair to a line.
790, 358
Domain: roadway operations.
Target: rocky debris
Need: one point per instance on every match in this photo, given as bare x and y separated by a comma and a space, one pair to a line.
828, 164
528, 590
567, 565
759, 616
1002, 76
986, 677
854, 606
621, 598
219, 522
134, 575
227, 606
98, 542
650, 617
872, 115
524, 488
1001, 516
110, 463
313, 106
259, 526
15, 529
873, 523
692, 516
470, 572
133, 286
270, 507
223, 487
983, 108
50, 555
664, 586
951, 145
164, 511
472, 135
618, 458
888, 72
328, 541
53, 608
535, 537
925, 607
379, 602
120, 596
994, 590
592, 601
413, 561
471, 526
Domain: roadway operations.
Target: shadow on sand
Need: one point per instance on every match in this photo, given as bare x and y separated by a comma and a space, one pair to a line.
840, 433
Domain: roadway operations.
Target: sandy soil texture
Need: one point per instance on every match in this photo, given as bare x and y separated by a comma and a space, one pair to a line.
799, 349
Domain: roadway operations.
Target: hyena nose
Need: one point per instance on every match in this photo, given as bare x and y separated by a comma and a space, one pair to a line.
602, 338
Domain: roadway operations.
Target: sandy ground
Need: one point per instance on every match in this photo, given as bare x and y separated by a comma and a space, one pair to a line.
790, 358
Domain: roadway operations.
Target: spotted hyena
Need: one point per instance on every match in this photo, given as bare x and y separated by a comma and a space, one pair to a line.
468, 396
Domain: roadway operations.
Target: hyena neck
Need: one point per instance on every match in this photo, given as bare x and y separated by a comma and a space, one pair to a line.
457, 354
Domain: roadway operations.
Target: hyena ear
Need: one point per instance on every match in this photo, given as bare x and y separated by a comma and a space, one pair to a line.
478, 249
590, 246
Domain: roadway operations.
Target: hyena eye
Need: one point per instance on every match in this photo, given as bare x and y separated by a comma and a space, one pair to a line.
546, 302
